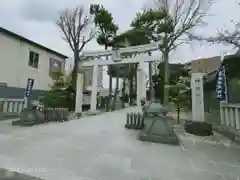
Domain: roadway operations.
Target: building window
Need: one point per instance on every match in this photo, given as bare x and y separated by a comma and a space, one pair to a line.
33, 59
55, 68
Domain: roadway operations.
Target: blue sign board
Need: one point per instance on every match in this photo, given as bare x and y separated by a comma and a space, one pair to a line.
29, 87
221, 88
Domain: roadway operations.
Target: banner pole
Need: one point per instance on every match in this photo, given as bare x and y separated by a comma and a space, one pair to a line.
25, 102
225, 85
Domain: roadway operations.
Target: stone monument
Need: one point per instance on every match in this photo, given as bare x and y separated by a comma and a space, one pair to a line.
197, 125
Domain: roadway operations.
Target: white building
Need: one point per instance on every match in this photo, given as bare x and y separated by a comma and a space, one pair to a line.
21, 58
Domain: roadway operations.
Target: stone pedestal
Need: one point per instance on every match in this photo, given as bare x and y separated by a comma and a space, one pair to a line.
30, 117
198, 128
157, 126
93, 112
159, 130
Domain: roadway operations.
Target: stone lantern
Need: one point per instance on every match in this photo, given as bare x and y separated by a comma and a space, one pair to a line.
158, 127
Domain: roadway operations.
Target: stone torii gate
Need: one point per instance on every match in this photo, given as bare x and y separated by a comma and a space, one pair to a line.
140, 54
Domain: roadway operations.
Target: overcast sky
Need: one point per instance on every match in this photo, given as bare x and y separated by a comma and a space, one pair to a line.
35, 19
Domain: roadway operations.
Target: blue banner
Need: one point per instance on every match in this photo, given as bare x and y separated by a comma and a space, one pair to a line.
221, 89
29, 87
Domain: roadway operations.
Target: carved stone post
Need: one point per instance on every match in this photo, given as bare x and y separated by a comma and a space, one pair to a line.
79, 91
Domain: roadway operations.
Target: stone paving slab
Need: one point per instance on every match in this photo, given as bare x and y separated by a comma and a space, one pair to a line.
100, 148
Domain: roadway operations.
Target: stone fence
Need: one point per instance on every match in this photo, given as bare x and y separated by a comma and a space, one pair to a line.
229, 113
230, 121
30, 117
11, 107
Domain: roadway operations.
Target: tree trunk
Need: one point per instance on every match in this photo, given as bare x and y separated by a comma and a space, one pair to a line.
123, 91
75, 71
151, 88
74, 76
166, 78
135, 84
115, 94
131, 83
135, 66
110, 86
178, 114
110, 91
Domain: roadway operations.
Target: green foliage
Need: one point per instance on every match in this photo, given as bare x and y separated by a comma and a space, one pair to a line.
233, 90
153, 23
170, 25
60, 98
60, 95
103, 20
179, 85
180, 92
232, 64
132, 36
158, 25
175, 70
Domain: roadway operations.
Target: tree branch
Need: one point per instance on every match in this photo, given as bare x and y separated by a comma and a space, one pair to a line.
184, 15
191, 16
74, 24
91, 35
227, 37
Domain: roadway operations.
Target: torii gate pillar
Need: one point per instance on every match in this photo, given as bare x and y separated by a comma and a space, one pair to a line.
141, 84
79, 93
93, 104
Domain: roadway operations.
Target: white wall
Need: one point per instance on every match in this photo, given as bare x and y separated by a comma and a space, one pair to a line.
14, 69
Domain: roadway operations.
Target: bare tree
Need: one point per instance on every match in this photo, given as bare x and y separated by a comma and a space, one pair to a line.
75, 25
226, 37
172, 22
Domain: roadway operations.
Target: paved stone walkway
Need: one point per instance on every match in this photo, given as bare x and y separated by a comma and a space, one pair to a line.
100, 148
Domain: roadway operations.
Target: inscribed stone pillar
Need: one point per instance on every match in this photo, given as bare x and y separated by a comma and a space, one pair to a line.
197, 97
